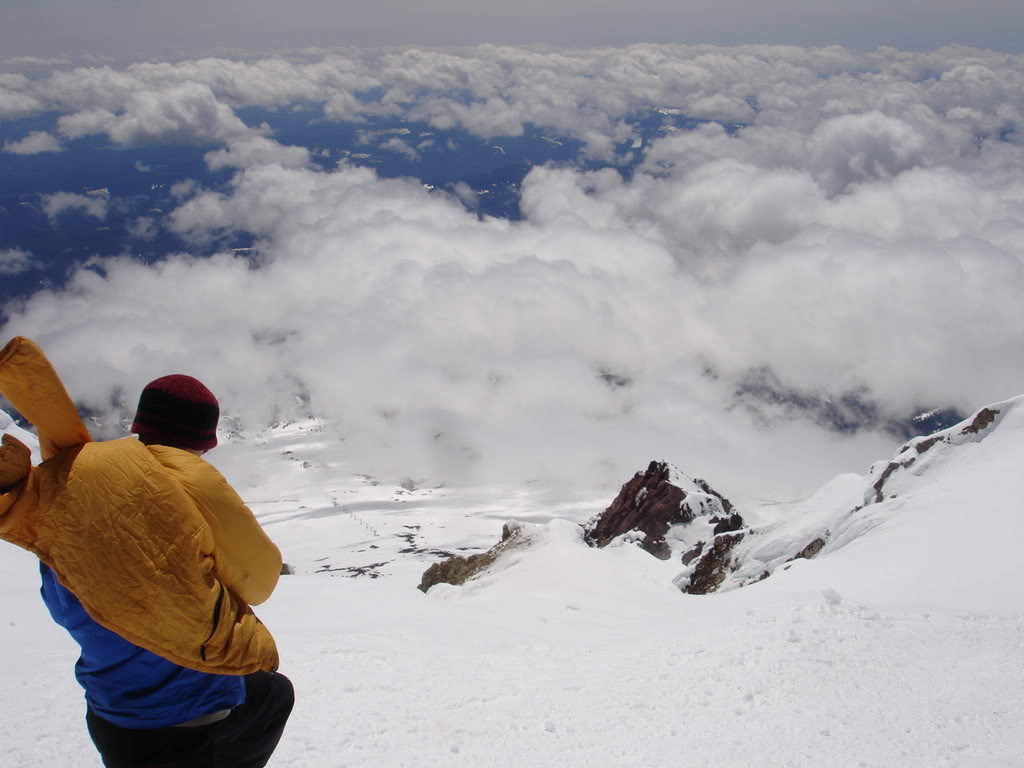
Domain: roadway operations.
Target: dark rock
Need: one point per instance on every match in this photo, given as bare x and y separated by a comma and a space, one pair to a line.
693, 554
458, 569
886, 474
455, 570
656, 509
880, 483
648, 503
657, 547
713, 566
372, 570
983, 419
727, 525
810, 550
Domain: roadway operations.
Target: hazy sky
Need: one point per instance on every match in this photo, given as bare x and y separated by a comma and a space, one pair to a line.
132, 28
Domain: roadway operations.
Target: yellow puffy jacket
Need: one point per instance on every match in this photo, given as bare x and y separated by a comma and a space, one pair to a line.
152, 540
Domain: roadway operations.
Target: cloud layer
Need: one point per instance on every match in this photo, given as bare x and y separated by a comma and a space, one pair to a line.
587, 94
851, 222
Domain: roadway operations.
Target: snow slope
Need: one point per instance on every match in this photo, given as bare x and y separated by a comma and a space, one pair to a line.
939, 524
899, 644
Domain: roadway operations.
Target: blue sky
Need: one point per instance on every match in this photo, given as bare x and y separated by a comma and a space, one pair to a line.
133, 28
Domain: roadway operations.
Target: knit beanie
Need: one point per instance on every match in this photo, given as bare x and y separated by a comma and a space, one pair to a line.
178, 411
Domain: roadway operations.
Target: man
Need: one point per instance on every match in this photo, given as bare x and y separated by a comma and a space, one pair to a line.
150, 561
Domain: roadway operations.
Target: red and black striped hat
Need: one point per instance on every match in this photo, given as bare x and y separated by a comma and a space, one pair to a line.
178, 411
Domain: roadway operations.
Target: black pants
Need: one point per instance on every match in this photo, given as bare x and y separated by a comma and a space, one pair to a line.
244, 739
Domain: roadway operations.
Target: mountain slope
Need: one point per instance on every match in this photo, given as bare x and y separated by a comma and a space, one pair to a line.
881, 650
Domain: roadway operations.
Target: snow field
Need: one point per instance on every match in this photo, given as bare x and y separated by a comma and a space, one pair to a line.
388, 676
900, 645
503, 681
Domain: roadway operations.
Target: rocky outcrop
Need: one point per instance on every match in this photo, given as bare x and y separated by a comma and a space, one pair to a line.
650, 504
682, 519
726, 524
459, 569
690, 555
811, 549
711, 569
916, 455
672, 515
811, 532
982, 420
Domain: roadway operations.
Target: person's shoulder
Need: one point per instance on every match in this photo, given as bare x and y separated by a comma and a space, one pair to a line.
180, 461
193, 471
116, 454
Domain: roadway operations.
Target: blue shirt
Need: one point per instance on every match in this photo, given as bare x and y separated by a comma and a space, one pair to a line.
128, 685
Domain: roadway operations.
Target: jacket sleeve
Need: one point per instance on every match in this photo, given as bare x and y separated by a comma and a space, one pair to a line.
32, 386
247, 561
15, 462
15, 467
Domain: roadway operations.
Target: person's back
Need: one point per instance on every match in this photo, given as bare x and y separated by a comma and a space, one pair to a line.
129, 686
177, 670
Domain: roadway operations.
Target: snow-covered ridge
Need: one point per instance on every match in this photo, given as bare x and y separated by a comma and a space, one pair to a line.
940, 483
902, 531
921, 455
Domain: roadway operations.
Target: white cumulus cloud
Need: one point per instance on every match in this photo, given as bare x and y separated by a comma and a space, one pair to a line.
181, 114
91, 205
256, 150
33, 143
852, 223
14, 261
